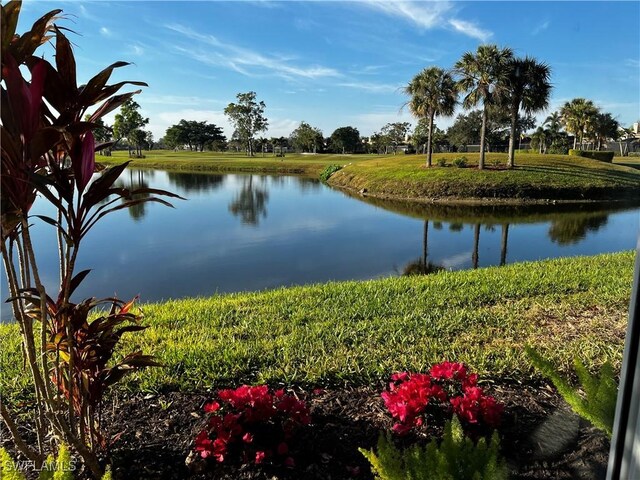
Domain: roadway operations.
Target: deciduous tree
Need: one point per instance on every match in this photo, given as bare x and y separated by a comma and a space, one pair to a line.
247, 116
128, 124
306, 138
345, 139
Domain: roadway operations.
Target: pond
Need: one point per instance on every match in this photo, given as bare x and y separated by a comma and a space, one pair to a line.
249, 232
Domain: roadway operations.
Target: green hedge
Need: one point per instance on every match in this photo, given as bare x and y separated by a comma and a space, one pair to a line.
594, 154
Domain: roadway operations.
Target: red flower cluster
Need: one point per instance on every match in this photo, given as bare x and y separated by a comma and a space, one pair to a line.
448, 385
253, 423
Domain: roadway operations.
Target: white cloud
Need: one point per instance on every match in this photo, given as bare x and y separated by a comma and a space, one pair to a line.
245, 61
632, 62
470, 29
372, 87
423, 14
84, 12
281, 127
137, 50
178, 100
429, 15
543, 26
105, 32
368, 123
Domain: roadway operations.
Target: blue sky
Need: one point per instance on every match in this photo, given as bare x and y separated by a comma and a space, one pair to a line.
338, 63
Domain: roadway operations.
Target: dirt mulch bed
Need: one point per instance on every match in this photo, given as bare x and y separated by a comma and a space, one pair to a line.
541, 438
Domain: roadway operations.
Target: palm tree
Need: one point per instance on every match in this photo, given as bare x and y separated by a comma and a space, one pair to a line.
603, 127
554, 125
433, 93
528, 88
483, 78
576, 116
539, 139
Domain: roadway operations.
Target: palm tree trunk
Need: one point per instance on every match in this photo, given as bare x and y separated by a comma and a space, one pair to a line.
424, 244
482, 134
429, 134
575, 141
512, 135
476, 242
503, 244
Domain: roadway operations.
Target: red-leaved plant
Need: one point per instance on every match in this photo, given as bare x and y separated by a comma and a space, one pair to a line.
252, 424
448, 387
48, 151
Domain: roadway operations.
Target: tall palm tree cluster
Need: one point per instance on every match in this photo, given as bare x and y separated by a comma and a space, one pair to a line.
500, 82
491, 77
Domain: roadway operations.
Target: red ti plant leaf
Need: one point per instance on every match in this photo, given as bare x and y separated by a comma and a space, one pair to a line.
83, 161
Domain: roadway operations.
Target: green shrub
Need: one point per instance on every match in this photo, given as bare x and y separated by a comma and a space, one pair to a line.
593, 154
328, 171
634, 154
598, 404
442, 162
460, 162
456, 458
557, 150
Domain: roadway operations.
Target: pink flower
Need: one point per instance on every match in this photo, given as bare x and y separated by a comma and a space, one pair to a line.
289, 462
260, 456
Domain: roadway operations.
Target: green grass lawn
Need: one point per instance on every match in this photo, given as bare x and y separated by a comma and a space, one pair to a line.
555, 177
359, 332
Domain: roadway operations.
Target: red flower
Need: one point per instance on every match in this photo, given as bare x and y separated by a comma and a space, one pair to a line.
211, 407
448, 386
289, 462
252, 422
448, 371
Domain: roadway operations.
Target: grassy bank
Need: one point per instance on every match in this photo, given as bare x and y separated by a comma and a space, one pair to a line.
536, 177
359, 332
292, 164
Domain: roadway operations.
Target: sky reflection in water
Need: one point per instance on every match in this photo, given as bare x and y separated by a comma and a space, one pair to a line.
250, 232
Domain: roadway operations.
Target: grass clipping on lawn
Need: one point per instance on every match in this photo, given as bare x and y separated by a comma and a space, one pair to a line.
359, 332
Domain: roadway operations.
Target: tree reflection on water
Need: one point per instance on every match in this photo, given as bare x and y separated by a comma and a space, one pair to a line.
250, 204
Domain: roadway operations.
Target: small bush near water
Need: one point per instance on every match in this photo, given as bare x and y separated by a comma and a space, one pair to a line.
460, 162
442, 162
328, 171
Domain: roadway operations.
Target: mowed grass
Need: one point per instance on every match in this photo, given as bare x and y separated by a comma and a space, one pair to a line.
554, 177
359, 332
297, 164
536, 177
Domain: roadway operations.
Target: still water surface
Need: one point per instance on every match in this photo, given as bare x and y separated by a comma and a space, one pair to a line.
250, 232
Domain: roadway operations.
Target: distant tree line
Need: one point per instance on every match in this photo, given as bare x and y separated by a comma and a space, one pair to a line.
507, 91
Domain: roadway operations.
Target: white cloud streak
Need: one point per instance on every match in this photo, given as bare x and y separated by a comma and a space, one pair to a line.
543, 26
470, 29
429, 15
372, 87
245, 61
